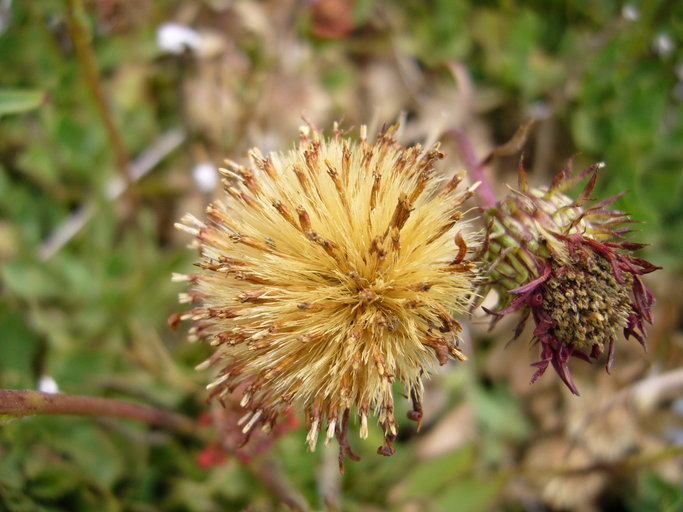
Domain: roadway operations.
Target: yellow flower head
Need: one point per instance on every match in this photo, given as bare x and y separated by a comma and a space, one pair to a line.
328, 273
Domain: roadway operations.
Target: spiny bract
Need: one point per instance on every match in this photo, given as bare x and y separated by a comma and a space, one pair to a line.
565, 262
330, 272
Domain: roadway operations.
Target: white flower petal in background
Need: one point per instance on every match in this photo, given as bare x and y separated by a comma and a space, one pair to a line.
176, 38
205, 176
630, 12
47, 384
663, 45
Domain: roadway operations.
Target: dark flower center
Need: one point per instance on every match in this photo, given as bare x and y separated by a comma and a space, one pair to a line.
588, 306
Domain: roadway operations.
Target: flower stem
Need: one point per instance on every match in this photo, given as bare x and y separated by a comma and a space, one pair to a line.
270, 475
474, 168
86, 59
21, 403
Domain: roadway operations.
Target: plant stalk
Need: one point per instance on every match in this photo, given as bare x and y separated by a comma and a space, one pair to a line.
21, 403
474, 168
86, 59
270, 475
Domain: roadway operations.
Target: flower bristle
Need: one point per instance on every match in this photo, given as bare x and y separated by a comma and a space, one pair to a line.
328, 273
565, 263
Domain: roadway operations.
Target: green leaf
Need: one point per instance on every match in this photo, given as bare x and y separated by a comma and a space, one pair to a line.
13, 500
17, 351
7, 418
54, 482
17, 101
431, 476
470, 495
30, 280
499, 412
93, 450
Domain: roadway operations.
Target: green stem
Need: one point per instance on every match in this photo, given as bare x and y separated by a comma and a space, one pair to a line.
86, 59
21, 403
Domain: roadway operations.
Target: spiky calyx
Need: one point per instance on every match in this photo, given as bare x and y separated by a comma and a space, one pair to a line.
330, 272
564, 262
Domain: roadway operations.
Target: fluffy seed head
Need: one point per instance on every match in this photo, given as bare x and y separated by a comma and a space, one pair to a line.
328, 273
564, 262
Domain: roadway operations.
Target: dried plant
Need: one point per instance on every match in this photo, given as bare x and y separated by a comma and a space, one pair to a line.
565, 262
328, 273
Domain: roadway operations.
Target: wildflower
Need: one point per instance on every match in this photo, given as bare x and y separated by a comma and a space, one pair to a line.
176, 38
565, 262
329, 273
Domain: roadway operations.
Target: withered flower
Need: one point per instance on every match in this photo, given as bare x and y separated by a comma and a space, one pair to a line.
565, 262
328, 273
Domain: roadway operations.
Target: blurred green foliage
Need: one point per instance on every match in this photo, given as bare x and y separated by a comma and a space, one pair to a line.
93, 315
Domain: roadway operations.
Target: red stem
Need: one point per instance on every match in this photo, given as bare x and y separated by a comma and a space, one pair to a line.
474, 168
20, 403
269, 473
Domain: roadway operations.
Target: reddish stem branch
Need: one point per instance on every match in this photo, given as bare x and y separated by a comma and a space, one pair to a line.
20, 403
475, 169
268, 472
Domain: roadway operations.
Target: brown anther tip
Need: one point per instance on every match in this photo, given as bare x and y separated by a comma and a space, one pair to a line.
417, 417
174, 320
414, 415
304, 219
462, 248
367, 294
386, 450
251, 295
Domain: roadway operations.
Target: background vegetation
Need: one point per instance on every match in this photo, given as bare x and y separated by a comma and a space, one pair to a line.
605, 81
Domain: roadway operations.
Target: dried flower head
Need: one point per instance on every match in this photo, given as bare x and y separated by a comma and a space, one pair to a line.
564, 262
328, 273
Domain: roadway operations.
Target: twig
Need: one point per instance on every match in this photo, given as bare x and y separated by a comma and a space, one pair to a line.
268, 472
656, 385
139, 168
631, 462
647, 389
485, 195
514, 145
21, 403
84, 53
329, 480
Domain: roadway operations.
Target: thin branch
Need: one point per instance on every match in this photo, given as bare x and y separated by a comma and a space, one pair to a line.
268, 472
632, 462
484, 194
144, 163
650, 389
21, 403
86, 59
329, 480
